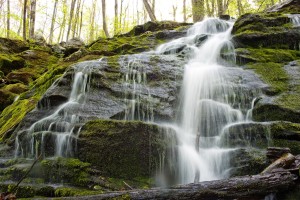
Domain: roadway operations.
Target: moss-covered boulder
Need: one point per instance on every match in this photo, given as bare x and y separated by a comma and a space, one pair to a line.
120, 149
10, 62
12, 46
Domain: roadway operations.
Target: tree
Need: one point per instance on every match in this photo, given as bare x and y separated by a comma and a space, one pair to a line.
8, 18
104, 19
24, 19
32, 18
149, 10
71, 18
53, 21
174, 12
198, 10
64, 20
184, 11
116, 20
92, 23
76, 20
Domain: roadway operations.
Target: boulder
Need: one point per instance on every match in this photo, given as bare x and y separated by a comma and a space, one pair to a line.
10, 62
72, 46
39, 40
12, 46
125, 149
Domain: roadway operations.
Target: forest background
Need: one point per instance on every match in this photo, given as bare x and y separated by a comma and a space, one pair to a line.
60, 20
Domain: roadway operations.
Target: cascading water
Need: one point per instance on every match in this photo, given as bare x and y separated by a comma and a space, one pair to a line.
209, 104
295, 19
60, 128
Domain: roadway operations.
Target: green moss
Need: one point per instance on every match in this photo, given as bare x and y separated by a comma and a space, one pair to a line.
268, 55
10, 62
273, 74
13, 114
67, 191
17, 88
68, 170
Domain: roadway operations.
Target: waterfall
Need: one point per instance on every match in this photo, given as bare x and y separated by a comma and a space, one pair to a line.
208, 104
295, 18
55, 134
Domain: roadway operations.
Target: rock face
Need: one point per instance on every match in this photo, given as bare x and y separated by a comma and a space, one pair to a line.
119, 144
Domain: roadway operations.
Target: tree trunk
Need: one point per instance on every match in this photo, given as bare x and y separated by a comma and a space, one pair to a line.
104, 19
21, 17
174, 12
149, 10
153, 7
53, 22
76, 20
120, 16
63, 24
246, 187
8, 18
116, 20
184, 11
208, 10
92, 21
71, 18
220, 7
24, 19
81, 15
198, 10
239, 7
32, 18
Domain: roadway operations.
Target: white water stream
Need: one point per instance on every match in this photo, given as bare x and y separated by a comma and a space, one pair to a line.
207, 106
62, 126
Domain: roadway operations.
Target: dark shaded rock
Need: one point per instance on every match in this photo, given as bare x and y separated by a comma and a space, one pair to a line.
6, 98
225, 17
12, 46
247, 161
289, 6
120, 156
58, 49
76, 55
46, 191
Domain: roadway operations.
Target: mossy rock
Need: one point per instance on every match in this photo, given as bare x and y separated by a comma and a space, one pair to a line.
12, 46
19, 77
10, 62
66, 170
120, 149
6, 98
68, 192
17, 88
155, 26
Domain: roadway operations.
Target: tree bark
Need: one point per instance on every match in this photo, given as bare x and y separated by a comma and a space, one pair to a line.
149, 10
174, 12
8, 18
116, 20
220, 7
246, 187
53, 22
76, 20
71, 18
63, 24
198, 10
81, 16
24, 19
184, 11
32, 18
104, 19
92, 21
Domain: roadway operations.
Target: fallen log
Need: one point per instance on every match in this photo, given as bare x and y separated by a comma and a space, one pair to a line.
273, 153
254, 187
284, 161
